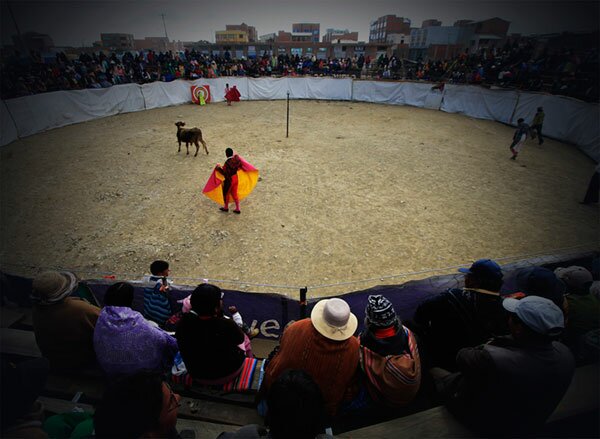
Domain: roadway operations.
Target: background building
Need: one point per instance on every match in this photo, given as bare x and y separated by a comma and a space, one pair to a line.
158, 44
339, 35
33, 41
443, 42
306, 32
250, 30
388, 24
267, 37
231, 36
431, 23
117, 42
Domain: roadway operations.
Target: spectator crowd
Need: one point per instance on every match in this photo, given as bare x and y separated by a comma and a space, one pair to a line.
501, 362
518, 65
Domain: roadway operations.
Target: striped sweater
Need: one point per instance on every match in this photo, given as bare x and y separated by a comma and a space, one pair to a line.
156, 304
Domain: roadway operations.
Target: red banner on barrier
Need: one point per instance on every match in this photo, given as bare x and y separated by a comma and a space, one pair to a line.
200, 94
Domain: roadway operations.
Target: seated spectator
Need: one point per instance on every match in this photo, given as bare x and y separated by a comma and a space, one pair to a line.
324, 347
461, 317
63, 325
157, 306
389, 355
209, 343
125, 342
584, 311
296, 411
21, 415
539, 281
511, 385
142, 405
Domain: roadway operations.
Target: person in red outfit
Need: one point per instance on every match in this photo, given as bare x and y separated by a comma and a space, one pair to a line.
232, 94
230, 184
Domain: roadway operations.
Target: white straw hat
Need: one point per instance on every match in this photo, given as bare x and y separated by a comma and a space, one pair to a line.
333, 319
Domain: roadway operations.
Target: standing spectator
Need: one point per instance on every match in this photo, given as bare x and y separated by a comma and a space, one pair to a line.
519, 138
208, 342
125, 342
63, 325
324, 347
536, 125
461, 317
389, 355
157, 306
138, 406
511, 385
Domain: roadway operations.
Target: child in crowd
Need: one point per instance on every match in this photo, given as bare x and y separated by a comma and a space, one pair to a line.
157, 307
235, 315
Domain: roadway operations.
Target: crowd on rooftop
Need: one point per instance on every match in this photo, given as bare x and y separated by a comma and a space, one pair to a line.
500, 361
518, 65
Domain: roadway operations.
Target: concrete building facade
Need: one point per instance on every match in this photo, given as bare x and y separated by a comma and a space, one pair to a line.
250, 30
339, 35
231, 36
431, 22
306, 32
388, 24
118, 41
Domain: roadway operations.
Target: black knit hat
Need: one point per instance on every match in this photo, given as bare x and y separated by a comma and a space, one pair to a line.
380, 312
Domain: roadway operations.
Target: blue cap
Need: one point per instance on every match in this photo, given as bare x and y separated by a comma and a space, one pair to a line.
539, 281
484, 268
538, 313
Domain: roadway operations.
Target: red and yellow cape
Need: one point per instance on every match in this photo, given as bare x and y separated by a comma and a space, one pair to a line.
247, 178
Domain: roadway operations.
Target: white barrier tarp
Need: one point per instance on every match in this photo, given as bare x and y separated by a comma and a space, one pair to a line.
320, 88
268, 88
397, 93
566, 119
165, 94
37, 113
377, 92
9, 130
479, 102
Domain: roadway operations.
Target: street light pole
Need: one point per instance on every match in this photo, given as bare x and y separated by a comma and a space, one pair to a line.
164, 25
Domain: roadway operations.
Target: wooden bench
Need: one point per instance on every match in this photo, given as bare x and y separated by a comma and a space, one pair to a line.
435, 422
583, 395
582, 398
53, 406
19, 342
9, 317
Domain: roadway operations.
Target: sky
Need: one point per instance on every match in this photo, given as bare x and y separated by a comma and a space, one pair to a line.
79, 23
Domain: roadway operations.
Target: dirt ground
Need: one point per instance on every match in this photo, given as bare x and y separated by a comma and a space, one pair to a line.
358, 191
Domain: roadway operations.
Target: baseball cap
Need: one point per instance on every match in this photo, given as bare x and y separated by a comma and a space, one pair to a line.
575, 277
539, 281
484, 268
538, 313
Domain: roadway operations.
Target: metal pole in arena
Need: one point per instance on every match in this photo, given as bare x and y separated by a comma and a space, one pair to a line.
303, 292
287, 125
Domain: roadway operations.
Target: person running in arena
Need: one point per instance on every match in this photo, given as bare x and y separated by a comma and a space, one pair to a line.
519, 138
536, 125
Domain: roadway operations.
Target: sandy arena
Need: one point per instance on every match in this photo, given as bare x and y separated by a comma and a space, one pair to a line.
357, 191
